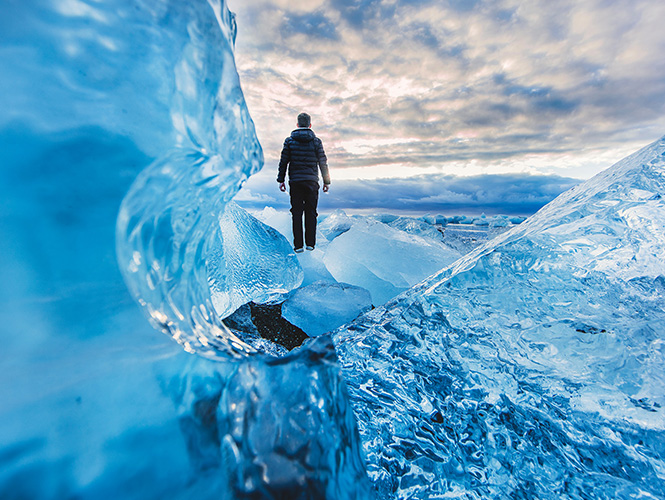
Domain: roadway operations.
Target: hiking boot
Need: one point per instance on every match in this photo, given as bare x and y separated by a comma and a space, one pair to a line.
309, 248
298, 250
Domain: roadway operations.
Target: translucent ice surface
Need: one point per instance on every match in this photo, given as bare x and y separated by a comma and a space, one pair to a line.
533, 366
271, 428
383, 259
530, 368
323, 306
253, 262
279, 220
140, 101
335, 224
311, 262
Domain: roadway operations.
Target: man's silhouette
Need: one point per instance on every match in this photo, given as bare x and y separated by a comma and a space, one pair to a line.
303, 155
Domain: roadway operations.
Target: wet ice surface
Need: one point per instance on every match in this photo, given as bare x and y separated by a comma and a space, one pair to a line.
532, 367
271, 428
321, 303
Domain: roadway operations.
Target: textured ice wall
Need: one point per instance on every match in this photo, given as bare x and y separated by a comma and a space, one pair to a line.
532, 367
95, 404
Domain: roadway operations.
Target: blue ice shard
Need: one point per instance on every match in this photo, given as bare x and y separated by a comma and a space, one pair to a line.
252, 262
533, 366
385, 271
280, 428
323, 306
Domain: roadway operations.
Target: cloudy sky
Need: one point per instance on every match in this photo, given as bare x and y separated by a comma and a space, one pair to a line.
439, 105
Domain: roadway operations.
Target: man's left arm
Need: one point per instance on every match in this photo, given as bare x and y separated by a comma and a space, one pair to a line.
323, 165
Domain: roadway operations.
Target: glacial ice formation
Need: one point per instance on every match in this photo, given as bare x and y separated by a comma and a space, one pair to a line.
272, 428
252, 262
140, 100
335, 224
167, 226
341, 254
323, 306
373, 255
279, 220
531, 367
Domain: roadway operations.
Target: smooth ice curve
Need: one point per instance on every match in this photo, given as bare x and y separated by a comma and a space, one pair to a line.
168, 235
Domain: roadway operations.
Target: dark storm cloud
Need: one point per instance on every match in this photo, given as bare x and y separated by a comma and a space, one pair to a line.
505, 194
538, 98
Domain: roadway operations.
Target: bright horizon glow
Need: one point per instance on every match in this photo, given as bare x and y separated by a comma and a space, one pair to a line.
576, 167
403, 90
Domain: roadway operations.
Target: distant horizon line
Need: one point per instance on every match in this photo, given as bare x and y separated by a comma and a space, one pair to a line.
470, 212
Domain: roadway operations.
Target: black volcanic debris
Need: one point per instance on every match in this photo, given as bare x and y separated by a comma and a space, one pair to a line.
272, 326
266, 320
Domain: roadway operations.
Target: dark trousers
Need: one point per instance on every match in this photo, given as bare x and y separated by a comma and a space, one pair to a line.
304, 198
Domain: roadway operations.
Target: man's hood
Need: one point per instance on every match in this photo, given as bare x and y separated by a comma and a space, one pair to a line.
303, 135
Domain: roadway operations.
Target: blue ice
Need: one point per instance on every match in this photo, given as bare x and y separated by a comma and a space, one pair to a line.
123, 136
532, 366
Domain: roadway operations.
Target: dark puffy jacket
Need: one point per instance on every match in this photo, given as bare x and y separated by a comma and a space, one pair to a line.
304, 155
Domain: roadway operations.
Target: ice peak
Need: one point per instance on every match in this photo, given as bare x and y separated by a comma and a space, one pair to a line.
612, 223
558, 321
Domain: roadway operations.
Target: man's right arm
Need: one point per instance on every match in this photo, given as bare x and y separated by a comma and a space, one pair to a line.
284, 160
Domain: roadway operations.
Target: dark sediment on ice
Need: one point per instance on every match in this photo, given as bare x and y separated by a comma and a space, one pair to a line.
272, 326
266, 321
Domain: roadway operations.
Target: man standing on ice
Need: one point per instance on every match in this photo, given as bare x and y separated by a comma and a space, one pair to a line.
304, 155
